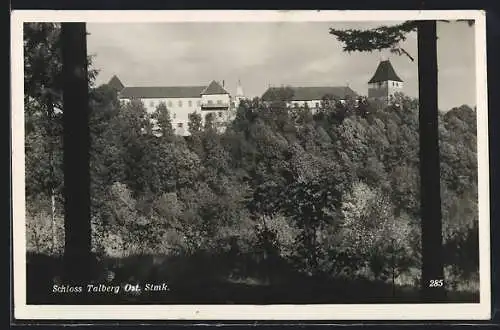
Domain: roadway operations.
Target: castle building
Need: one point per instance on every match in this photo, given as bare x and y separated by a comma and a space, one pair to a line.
384, 83
214, 99
310, 96
182, 100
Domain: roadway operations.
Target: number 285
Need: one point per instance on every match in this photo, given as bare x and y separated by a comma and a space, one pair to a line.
435, 283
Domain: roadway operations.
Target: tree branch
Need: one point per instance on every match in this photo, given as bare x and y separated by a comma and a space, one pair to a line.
379, 38
382, 37
402, 51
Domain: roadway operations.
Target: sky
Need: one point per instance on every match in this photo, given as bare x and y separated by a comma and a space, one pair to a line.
261, 54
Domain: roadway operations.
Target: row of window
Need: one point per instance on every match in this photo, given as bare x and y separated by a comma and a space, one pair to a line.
179, 103
219, 114
181, 125
296, 104
394, 84
316, 104
189, 103
210, 102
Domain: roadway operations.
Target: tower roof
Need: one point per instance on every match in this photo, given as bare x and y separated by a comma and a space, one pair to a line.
115, 83
214, 88
384, 72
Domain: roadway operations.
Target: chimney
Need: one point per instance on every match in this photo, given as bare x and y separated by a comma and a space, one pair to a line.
222, 83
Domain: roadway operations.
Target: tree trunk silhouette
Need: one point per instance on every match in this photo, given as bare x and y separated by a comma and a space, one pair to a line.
53, 220
51, 135
432, 256
77, 250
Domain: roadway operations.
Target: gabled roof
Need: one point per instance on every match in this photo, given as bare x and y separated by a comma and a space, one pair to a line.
115, 83
311, 93
384, 72
162, 92
214, 88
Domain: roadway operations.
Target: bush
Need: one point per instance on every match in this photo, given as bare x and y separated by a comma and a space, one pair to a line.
44, 228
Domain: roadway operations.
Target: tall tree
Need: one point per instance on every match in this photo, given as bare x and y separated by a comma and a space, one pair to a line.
195, 124
209, 121
390, 37
164, 121
77, 253
430, 194
43, 84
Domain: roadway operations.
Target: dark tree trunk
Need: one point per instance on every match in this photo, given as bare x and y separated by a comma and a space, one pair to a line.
77, 252
432, 256
51, 134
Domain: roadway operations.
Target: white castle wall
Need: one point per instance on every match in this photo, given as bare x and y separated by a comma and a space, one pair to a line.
180, 108
222, 99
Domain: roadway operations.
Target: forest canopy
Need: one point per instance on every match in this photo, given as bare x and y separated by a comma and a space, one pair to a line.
331, 193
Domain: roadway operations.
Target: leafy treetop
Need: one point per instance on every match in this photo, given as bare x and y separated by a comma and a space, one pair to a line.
379, 38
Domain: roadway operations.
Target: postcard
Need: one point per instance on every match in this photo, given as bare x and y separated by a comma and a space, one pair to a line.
250, 165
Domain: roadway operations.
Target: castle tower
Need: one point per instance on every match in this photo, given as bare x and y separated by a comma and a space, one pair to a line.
239, 94
384, 83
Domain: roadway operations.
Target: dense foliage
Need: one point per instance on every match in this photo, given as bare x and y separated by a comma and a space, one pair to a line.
330, 193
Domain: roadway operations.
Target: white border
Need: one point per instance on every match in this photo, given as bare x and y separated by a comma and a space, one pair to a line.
450, 311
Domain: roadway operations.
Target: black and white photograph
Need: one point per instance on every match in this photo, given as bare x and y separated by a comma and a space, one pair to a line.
250, 165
